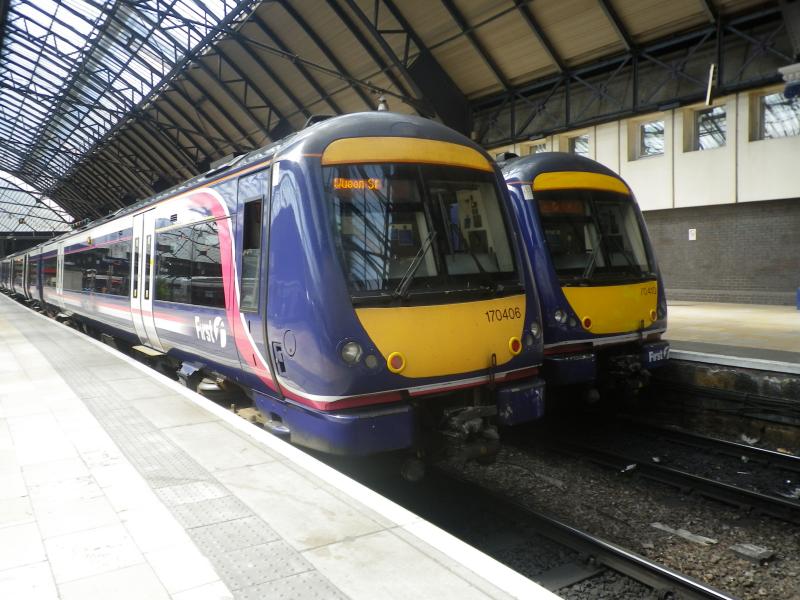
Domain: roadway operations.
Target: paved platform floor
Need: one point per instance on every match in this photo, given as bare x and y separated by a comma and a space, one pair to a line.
760, 334
117, 483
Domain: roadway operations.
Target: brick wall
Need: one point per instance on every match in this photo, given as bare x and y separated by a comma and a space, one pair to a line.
745, 252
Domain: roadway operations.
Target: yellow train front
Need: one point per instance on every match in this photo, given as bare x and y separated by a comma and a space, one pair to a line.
601, 295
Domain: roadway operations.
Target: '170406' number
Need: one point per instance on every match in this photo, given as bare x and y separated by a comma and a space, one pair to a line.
497, 314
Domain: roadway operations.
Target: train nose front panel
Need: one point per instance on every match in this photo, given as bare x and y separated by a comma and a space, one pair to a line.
446, 339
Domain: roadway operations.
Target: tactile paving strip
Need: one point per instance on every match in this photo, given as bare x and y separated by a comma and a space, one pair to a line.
247, 553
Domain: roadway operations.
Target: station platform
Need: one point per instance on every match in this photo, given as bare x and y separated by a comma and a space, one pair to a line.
750, 336
116, 482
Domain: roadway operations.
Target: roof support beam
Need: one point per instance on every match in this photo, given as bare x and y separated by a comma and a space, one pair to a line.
617, 24
537, 30
244, 134
710, 9
270, 73
268, 31
329, 55
364, 43
476, 43
372, 28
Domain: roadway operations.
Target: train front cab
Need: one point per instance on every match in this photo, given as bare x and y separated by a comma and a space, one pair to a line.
602, 298
394, 286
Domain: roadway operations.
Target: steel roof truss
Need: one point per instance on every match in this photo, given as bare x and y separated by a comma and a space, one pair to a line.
329, 55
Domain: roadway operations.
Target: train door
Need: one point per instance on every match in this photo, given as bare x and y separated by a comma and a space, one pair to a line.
142, 277
24, 290
60, 275
252, 221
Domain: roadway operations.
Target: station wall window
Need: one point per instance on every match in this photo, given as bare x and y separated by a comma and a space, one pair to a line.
651, 139
710, 128
778, 116
539, 147
188, 265
579, 145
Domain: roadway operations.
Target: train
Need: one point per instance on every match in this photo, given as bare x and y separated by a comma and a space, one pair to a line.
361, 281
602, 297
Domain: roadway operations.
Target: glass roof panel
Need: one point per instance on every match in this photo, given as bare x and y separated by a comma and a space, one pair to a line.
24, 209
75, 68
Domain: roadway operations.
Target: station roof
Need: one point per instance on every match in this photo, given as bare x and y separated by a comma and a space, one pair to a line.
106, 102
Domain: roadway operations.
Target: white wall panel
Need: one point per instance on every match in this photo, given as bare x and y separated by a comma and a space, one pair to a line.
741, 171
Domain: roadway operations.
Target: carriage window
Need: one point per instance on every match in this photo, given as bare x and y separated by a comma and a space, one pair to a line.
80, 270
112, 266
18, 272
33, 271
174, 265
136, 268
147, 266
188, 266
207, 288
49, 271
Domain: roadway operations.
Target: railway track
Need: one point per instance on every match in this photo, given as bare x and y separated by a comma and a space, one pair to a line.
770, 458
758, 502
487, 518
599, 554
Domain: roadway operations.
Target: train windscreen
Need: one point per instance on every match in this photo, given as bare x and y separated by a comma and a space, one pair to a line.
594, 237
406, 229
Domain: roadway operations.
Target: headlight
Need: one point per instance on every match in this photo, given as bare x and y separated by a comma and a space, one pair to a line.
536, 329
560, 316
351, 353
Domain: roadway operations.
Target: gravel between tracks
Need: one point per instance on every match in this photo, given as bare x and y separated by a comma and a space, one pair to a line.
621, 508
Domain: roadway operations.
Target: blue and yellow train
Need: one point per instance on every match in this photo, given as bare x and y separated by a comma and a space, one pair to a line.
360, 280
600, 291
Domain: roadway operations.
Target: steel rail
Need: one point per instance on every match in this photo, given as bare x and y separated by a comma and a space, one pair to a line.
605, 553
789, 462
774, 506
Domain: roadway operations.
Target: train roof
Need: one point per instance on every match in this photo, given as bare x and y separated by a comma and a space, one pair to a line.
314, 138
526, 168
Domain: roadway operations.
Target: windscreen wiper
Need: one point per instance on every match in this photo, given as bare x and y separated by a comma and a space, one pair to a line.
587, 272
485, 277
405, 282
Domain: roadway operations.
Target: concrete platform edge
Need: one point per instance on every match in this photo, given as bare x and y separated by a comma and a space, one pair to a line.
736, 361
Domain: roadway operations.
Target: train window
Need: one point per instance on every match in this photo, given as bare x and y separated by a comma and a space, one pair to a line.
251, 254
174, 265
136, 268
440, 228
112, 268
49, 271
73, 271
17, 273
188, 266
593, 236
33, 271
147, 265
207, 288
